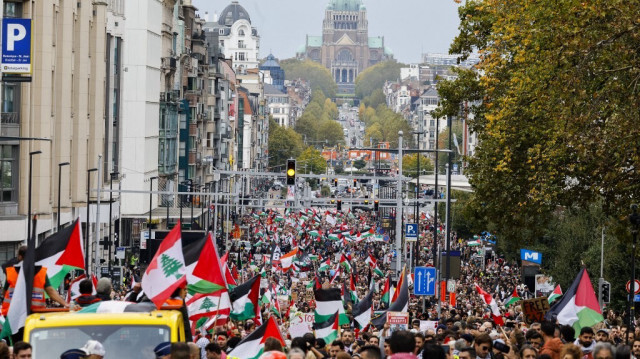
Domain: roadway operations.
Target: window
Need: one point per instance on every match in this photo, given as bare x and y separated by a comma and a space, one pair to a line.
240, 56
432, 123
8, 251
9, 93
221, 32
241, 44
8, 173
12, 9
183, 151
241, 32
221, 43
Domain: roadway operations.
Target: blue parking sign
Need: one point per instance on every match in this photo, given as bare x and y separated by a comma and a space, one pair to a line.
16, 46
411, 231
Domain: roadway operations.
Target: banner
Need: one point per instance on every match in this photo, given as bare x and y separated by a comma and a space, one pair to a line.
544, 285
398, 321
534, 309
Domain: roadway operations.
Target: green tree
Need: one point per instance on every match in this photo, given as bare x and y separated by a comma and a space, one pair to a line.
443, 144
318, 76
359, 164
410, 165
374, 77
554, 106
376, 99
311, 160
170, 266
284, 143
307, 126
330, 131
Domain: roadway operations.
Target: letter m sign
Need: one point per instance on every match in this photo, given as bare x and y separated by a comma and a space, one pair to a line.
530, 256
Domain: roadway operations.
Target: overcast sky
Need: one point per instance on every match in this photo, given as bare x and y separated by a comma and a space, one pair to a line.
410, 27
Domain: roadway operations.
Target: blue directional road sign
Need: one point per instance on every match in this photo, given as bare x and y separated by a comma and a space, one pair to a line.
411, 231
424, 281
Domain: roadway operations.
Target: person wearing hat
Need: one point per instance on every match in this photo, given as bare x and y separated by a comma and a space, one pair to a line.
602, 335
74, 354
162, 350
94, 349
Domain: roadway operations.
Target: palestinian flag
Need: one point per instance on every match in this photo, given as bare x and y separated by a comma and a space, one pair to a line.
400, 305
231, 282
206, 305
327, 302
74, 287
373, 263
61, 252
116, 306
557, 293
204, 271
167, 271
314, 233
328, 330
344, 262
333, 237
244, 299
363, 311
252, 346
325, 266
314, 284
286, 260
579, 306
353, 294
491, 302
385, 297
401, 281
514, 298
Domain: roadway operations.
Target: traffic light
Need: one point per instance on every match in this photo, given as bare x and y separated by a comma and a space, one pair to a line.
291, 172
366, 202
339, 205
333, 201
376, 205
335, 182
605, 289
355, 183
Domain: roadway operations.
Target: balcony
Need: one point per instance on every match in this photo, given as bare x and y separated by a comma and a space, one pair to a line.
10, 118
193, 129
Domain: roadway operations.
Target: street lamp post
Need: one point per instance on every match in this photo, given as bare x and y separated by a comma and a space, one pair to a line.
30, 240
416, 212
150, 204
59, 186
113, 175
634, 218
88, 223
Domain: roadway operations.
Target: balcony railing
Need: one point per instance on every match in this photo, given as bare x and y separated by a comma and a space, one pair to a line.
10, 118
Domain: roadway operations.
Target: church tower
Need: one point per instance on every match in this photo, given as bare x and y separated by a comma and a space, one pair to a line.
345, 47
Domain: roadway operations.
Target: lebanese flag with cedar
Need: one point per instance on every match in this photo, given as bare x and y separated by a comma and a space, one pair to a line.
167, 270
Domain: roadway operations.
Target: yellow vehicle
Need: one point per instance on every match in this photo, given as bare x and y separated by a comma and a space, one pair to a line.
123, 335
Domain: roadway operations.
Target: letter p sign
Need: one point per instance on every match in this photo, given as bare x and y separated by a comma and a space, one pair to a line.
15, 33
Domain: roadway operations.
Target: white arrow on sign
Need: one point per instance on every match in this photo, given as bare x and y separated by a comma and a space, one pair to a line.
419, 279
429, 280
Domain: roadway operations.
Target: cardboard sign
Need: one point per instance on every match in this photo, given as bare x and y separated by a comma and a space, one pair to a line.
534, 309
398, 321
428, 325
301, 324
